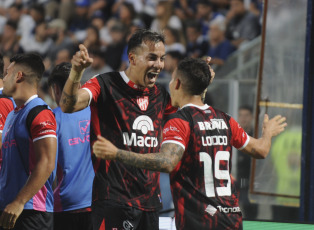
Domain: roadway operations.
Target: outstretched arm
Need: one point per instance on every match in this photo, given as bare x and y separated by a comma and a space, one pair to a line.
74, 99
259, 148
165, 161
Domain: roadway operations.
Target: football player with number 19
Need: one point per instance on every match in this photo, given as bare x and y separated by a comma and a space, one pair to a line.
197, 151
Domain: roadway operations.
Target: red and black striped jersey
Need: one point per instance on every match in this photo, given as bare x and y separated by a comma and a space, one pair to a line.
203, 190
132, 119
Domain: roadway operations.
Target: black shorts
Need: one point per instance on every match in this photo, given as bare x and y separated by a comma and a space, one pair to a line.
34, 220
72, 221
111, 215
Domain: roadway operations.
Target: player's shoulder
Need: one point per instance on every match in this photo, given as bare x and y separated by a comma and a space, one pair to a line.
180, 114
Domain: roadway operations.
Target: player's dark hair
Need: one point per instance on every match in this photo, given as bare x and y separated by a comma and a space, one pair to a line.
1, 66
33, 62
194, 74
18, 6
143, 35
60, 74
246, 107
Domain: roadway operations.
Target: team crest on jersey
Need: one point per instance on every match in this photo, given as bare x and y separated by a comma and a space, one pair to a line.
143, 102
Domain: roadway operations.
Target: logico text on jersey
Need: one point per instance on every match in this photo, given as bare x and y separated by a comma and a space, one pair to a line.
214, 140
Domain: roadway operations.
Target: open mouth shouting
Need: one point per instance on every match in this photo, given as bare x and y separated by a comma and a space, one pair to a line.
152, 77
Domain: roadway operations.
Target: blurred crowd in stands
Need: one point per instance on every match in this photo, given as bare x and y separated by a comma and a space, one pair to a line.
194, 28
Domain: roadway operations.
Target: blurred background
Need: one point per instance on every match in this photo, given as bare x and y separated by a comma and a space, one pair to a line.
261, 55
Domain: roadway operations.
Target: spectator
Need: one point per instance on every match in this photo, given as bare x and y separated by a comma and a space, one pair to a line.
185, 9
99, 22
40, 42
126, 14
173, 40
220, 48
242, 25
99, 65
57, 31
27, 171
25, 23
92, 40
171, 62
9, 40
38, 13
245, 119
63, 55
73, 194
165, 17
62, 9
114, 51
205, 14
197, 44
80, 21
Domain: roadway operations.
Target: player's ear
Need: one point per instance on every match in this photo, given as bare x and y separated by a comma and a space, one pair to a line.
132, 58
178, 83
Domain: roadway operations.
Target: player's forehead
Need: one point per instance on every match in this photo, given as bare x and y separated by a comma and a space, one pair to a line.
152, 48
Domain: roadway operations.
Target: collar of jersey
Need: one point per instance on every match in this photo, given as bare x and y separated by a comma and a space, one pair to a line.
199, 107
29, 99
129, 82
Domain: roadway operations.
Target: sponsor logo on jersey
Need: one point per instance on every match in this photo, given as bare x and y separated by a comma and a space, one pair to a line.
78, 140
144, 124
212, 124
214, 140
228, 209
127, 225
211, 210
84, 126
142, 102
9, 144
171, 128
45, 123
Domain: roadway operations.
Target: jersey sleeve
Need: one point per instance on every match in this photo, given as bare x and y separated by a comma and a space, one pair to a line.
6, 106
93, 88
240, 138
44, 125
176, 131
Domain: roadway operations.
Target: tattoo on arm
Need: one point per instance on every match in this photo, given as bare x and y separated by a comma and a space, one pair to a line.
165, 161
68, 100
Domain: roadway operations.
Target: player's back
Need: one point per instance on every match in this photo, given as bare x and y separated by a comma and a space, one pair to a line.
202, 187
74, 169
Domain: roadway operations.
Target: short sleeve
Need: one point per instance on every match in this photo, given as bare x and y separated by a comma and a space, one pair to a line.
6, 106
240, 138
176, 131
93, 88
44, 125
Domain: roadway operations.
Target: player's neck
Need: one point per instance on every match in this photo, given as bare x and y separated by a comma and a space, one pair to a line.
22, 95
195, 100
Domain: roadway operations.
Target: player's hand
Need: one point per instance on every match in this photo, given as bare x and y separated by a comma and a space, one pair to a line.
10, 214
81, 59
104, 149
274, 126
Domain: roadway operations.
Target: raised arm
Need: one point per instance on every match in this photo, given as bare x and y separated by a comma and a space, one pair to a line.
73, 98
259, 148
165, 161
